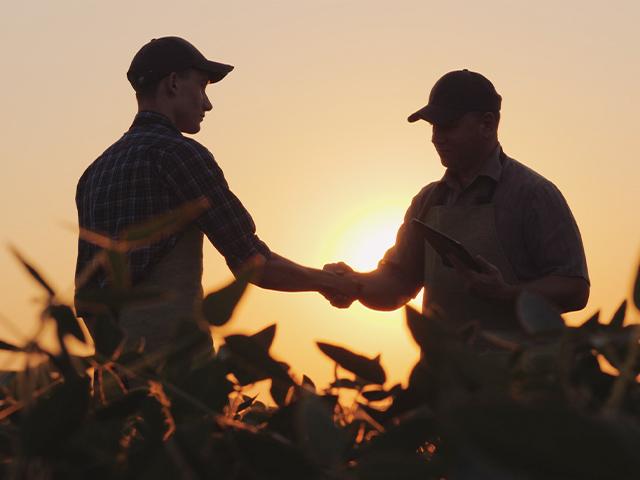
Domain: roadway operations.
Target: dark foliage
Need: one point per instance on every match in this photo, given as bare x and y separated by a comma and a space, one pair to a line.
477, 404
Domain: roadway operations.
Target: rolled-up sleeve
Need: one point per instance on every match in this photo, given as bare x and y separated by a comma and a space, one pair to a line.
191, 172
406, 258
552, 236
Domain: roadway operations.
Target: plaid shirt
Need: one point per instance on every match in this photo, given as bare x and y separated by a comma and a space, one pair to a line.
151, 170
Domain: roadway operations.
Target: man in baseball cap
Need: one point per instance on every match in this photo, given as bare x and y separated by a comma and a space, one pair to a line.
457, 93
515, 223
161, 56
153, 169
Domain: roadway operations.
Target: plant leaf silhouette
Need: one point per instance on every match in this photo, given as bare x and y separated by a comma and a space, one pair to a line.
618, 318
322, 440
265, 336
252, 357
592, 322
365, 368
33, 272
66, 321
218, 307
8, 346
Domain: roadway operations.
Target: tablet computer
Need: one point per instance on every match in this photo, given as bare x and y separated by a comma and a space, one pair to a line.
446, 245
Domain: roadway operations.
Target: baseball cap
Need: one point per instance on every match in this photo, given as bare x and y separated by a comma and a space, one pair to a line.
161, 56
457, 93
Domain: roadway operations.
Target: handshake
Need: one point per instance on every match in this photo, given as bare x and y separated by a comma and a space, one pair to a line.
343, 286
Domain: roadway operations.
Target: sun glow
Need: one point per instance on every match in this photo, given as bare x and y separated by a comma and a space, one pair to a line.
363, 236
366, 235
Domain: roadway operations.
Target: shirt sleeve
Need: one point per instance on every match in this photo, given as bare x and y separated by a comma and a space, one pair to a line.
406, 258
191, 172
552, 236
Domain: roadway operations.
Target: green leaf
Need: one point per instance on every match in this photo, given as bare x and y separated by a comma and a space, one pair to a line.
33, 272
207, 383
247, 401
265, 336
636, 290
321, 439
218, 307
251, 355
346, 383
377, 395
417, 324
592, 322
618, 318
308, 382
280, 393
66, 321
536, 315
7, 346
366, 368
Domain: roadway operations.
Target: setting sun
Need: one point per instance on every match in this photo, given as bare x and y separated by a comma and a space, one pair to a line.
366, 234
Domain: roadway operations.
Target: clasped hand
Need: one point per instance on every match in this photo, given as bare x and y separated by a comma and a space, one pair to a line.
346, 287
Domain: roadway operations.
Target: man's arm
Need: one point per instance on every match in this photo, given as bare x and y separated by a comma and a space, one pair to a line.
380, 289
279, 273
567, 293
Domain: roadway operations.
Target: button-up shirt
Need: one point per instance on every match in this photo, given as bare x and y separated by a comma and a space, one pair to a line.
151, 170
535, 226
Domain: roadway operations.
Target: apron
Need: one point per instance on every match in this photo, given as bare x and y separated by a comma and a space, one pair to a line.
475, 227
179, 273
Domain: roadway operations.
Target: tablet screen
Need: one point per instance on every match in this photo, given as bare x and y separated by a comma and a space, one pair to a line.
446, 245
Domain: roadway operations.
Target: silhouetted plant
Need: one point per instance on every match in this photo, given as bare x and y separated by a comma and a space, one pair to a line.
537, 405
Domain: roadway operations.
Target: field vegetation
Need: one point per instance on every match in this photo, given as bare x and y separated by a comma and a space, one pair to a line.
539, 406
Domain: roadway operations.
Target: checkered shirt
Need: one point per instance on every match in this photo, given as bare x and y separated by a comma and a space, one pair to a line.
151, 170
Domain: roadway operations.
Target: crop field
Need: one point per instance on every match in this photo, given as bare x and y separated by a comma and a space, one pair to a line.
533, 406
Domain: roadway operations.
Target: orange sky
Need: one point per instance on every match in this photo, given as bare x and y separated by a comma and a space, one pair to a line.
310, 129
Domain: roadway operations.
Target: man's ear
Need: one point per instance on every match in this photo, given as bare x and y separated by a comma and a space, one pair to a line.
489, 123
169, 84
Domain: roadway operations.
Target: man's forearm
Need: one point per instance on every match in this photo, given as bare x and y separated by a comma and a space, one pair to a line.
383, 291
567, 293
279, 273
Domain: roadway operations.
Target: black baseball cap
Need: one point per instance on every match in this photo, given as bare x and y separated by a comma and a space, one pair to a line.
457, 93
161, 56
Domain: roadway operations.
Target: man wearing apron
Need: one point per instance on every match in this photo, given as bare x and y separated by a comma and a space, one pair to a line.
153, 169
513, 220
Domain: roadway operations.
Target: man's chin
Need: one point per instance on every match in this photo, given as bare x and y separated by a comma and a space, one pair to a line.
191, 129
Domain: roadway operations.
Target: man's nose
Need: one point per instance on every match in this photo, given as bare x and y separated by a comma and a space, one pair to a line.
207, 103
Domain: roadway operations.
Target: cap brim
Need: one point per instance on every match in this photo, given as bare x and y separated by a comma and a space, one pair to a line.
436, 115
217, 71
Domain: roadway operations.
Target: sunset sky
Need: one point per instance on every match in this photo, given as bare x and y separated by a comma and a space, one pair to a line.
311, 132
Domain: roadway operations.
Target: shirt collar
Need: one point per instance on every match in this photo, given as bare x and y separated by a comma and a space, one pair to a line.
492, 168
148, 117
